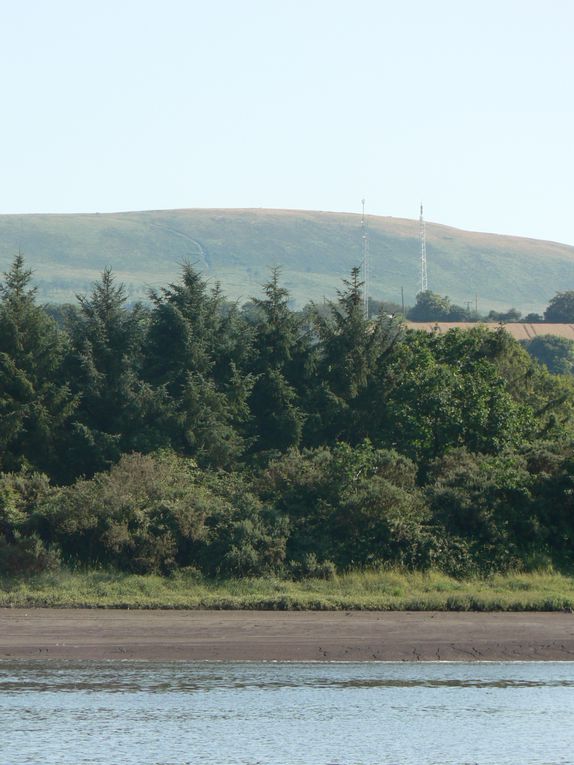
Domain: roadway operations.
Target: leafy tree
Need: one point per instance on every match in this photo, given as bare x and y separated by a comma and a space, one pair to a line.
551, 466
549, 398
433, 307
444, 390
157, 513
22, 553
35, 404
512, 315
387, 307
556, 353
560, 309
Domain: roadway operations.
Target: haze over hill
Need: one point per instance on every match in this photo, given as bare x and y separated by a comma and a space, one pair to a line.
315, 250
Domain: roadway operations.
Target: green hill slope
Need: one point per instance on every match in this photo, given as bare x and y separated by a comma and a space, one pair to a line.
315, 250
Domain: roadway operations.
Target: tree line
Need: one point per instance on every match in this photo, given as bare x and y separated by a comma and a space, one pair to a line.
237, 441
431, 306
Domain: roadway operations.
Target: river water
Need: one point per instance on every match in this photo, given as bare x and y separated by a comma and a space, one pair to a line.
74, 713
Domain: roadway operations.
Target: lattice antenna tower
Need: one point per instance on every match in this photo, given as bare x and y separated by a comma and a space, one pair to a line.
365, 252
423, 240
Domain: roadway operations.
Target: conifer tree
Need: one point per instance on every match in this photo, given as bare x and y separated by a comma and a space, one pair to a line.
352, 349
281, 353
35, 404
195, 353
118, 412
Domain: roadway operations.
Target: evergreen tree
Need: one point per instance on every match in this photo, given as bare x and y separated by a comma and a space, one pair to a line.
352, 350
281, 365
195, 352
35, 405
118, 412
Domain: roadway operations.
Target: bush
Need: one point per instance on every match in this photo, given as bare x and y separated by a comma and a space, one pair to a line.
353, 506
147, 514
26, 557
482, 508
311, 568
159, 512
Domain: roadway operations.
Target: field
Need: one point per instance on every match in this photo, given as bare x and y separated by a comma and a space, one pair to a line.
315, 250
369, 590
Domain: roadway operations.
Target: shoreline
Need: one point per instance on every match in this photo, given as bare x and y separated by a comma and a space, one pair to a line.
316, 636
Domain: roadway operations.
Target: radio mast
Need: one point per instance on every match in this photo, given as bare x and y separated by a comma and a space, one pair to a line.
365, 251
423, 240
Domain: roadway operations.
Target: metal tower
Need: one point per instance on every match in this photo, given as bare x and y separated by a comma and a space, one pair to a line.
423, 239
365, 251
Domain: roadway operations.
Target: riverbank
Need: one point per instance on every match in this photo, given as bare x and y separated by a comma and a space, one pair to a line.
378, 590
279, 636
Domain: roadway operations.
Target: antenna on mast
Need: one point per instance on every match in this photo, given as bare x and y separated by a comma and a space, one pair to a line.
423, 241
365, 251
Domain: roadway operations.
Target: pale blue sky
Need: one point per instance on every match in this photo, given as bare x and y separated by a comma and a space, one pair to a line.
307, 104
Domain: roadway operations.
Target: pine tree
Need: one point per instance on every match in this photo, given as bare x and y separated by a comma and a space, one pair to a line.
195, 352
281, 353
35, 403
352, 349
118, 412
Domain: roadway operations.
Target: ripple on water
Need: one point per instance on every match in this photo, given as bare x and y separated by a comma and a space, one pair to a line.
71, 713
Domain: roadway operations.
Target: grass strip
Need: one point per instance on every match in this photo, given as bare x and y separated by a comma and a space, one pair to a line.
388, 590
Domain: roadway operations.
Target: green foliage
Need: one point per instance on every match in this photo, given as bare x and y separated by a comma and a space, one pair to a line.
433, 307
21, 550
352, 352
194, 436
146, 514
483, 505
156, 513
35, 402
442, 391
195, 354
512, 315
556, 353
281, 357
118, 412
560, 309
352, 506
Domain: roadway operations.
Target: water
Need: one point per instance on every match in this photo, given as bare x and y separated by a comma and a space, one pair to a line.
75, 713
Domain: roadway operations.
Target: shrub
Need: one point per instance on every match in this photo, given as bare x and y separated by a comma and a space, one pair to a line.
158, 512
147, 514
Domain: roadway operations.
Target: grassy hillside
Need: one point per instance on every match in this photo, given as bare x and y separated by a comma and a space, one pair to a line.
315, 249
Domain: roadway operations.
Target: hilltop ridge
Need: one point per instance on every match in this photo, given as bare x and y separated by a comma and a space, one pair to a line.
315, 250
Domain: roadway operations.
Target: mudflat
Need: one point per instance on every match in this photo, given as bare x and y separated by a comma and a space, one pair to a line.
285, 636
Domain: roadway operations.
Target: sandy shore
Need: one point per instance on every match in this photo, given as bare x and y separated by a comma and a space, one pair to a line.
282, 636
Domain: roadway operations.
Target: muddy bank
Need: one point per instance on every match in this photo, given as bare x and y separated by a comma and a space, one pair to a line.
280, 636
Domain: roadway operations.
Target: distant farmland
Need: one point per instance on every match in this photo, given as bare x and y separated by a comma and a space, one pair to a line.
315, 250
519, 331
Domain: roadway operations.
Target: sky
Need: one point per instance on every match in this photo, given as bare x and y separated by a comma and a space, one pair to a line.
301, 104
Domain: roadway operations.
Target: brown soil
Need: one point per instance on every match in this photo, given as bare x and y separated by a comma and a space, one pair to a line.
281, 636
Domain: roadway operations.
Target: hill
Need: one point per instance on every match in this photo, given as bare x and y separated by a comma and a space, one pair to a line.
315, 250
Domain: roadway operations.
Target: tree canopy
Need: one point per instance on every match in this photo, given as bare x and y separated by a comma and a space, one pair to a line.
190, 433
